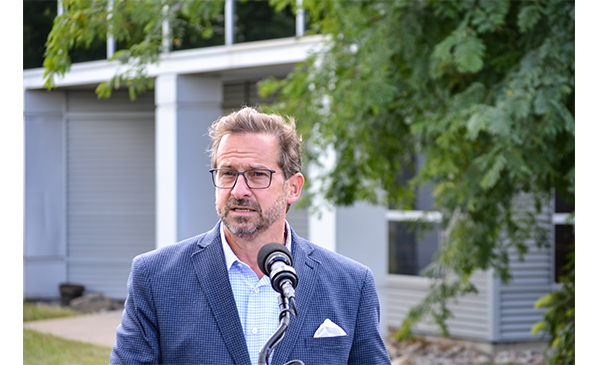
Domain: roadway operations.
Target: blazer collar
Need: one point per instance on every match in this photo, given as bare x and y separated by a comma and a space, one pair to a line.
209, 264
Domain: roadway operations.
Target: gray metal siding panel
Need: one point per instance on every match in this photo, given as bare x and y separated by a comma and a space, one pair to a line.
108, 277
471, 313
298, 219
44, 239
111, 189
44, 185
244, 93
533, 277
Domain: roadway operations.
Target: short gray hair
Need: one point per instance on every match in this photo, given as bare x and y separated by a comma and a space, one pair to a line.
249, 120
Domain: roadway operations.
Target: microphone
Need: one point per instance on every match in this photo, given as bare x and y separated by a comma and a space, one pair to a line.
275, 261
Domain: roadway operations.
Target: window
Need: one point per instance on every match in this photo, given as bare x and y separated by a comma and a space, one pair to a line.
38, 17
413, 235
254, 21
257, 20
412, 245
189, 36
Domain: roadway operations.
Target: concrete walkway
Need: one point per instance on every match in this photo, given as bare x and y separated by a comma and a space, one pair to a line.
98, 328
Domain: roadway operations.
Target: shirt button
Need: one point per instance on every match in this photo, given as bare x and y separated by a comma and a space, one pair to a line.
254, 331
256, 290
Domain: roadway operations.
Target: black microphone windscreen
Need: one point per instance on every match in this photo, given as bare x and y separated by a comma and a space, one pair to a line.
266, 251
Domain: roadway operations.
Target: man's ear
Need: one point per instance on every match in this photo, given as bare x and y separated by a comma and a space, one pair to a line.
295, 184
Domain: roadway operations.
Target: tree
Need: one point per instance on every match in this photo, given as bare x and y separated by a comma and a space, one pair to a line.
559, 318
137, 28
483, 90
136, 25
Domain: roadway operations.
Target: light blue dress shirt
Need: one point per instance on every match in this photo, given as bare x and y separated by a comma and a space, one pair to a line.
256, 300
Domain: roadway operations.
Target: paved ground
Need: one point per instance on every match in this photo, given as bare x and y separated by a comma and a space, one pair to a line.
98, 328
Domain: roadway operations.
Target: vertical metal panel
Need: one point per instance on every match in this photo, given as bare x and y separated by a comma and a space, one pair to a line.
471, 313
110, 188
44, 241
44, 171
242, 93
532, 279
298, 219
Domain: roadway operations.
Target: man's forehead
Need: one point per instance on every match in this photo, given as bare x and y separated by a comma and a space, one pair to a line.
255, 146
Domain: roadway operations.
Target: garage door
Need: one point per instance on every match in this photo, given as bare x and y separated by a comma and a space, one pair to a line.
110, 189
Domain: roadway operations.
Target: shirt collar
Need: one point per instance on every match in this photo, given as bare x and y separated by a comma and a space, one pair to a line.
231, 257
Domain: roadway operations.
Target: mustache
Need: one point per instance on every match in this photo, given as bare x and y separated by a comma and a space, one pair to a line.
242, 203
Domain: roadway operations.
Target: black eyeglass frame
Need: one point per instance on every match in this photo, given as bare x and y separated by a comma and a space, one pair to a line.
212, 171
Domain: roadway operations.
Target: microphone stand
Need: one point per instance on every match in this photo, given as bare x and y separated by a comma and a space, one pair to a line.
284, 322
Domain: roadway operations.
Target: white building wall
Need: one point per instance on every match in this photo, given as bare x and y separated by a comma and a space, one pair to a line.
186, 105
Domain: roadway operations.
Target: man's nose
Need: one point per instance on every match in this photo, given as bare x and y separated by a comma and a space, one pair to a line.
241, 187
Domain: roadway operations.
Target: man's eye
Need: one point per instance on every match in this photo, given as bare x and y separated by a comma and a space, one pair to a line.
227, 173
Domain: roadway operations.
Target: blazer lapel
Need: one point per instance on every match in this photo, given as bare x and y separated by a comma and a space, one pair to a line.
209, 264
307, 270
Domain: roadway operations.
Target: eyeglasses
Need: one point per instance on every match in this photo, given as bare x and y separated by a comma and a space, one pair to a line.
255, 178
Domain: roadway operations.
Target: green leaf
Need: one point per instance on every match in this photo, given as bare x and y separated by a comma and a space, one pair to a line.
539, 326
529, 16
468, 54
491, 177
122, 55
479, 120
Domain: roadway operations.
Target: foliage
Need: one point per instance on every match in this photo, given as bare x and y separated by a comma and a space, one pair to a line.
137, 25
41, 348
483, 90
559, 319
35, 312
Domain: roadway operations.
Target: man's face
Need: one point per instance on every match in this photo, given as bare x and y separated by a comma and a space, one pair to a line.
247, 212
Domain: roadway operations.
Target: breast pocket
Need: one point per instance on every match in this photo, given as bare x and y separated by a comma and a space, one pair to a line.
337, 342
327, 350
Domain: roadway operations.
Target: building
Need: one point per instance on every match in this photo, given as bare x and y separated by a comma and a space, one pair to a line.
106, 180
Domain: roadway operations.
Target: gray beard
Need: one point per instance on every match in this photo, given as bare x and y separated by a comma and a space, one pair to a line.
265, 219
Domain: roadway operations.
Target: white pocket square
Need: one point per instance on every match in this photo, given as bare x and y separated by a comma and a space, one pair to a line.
329, 329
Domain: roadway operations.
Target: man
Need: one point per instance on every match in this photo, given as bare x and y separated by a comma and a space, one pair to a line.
205, 300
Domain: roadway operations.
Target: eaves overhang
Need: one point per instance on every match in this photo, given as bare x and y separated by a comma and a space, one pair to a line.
258, 58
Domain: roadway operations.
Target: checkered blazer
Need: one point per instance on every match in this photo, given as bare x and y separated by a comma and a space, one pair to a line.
180, 309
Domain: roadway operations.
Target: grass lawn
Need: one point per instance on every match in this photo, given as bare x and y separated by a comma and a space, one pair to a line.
40, 348
34, 312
